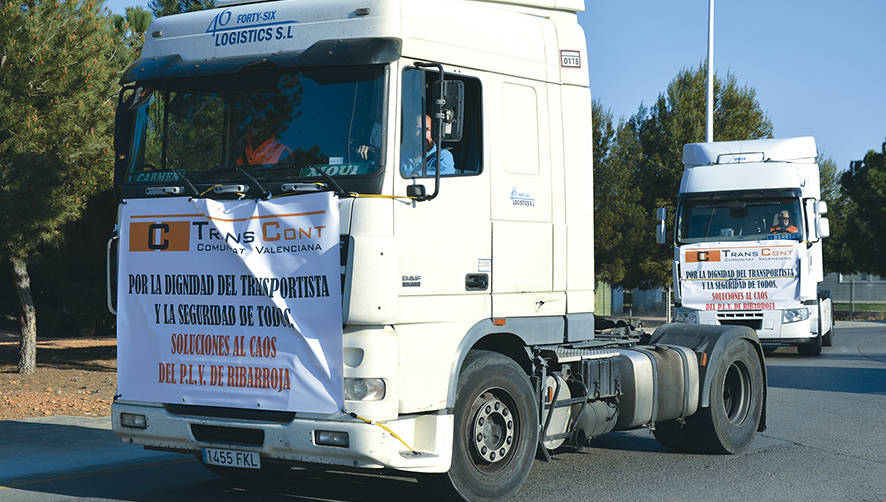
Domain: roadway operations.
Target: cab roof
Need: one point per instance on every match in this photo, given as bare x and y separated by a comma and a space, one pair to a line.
800, 149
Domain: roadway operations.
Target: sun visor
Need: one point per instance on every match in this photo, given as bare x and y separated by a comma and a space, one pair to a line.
348, 52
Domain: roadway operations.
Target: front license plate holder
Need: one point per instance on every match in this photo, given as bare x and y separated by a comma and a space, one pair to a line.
237, 459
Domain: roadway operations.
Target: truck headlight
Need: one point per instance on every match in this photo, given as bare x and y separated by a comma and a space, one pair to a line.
364, 389
686, 315
133, 420
794, 315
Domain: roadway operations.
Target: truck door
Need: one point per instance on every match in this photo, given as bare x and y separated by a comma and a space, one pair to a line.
522, 230
444, 243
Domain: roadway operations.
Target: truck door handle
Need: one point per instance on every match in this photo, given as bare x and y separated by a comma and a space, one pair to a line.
476, 282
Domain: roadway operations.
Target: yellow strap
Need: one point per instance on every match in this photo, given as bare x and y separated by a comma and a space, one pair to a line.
362, 195
376, 196
351, 194
383, 426
208, 190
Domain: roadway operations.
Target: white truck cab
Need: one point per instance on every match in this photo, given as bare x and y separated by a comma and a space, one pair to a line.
465, 342
748, 240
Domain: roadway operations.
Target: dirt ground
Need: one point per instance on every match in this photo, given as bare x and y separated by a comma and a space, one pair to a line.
75, 377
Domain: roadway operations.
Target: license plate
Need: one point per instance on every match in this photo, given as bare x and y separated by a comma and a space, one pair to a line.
232, 458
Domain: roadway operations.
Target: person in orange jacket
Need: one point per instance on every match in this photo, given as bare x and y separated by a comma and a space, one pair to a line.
783, 225
267, 151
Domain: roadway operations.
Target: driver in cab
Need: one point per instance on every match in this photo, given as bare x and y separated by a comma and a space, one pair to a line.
783, 225
262, 147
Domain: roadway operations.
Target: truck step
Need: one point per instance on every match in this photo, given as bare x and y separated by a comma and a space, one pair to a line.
566, 355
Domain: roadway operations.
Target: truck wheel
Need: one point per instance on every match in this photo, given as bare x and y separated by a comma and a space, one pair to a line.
729, 423
828, 339
811, 348
673, 435
496, 429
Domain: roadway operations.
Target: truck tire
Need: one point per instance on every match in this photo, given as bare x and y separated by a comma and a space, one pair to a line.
496, 430
828, 339
728, 425
811, 348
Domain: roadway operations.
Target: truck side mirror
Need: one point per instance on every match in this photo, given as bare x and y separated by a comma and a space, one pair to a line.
452, 108
822, 227
660, 229
821, 207
415, 191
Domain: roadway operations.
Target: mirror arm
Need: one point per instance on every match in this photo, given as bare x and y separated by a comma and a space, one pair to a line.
439, 116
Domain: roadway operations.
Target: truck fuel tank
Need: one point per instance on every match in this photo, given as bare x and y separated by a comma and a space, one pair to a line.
656, 383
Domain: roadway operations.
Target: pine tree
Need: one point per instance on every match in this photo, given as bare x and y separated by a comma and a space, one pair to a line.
618, 217
837, 249
59, 65
865, 183
169, 7
656, 136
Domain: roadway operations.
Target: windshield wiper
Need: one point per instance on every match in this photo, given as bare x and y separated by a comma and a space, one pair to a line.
180, 175
265, 192
330, 181
328, 177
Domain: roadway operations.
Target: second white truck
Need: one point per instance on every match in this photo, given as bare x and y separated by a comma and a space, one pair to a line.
748, 241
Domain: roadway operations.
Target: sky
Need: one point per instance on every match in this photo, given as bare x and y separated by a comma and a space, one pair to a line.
817, 66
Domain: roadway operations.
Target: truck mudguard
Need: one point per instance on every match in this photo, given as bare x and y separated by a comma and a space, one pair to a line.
709, 342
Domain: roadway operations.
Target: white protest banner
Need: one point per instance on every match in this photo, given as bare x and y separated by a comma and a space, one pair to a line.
231, 303
744, 276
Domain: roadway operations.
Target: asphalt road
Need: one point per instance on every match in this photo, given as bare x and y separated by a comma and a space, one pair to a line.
825, 441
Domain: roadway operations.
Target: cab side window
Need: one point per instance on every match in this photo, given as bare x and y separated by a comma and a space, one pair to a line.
419, 153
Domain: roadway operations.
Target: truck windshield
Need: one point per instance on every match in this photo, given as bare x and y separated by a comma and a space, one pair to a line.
739, 220
277, 126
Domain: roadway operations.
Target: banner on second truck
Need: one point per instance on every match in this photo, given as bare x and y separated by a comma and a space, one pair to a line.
747, 277
231, 303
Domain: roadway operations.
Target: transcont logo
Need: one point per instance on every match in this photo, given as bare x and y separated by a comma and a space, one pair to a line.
262, 234
702, 255
159, 236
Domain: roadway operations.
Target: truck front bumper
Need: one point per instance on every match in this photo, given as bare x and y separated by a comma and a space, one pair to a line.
767, 324
369, 445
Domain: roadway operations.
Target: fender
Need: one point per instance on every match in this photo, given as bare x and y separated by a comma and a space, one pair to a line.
709, 342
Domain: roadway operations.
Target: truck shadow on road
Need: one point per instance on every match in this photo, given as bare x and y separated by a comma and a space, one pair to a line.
185, 479
636, 440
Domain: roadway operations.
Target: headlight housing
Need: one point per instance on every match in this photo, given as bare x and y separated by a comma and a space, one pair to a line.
364, 389
686, 315
794, 315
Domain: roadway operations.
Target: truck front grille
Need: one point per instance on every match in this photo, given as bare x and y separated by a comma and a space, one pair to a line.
751, 319
228, 435
751, 323
282, 417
